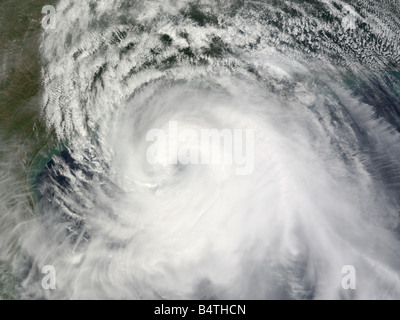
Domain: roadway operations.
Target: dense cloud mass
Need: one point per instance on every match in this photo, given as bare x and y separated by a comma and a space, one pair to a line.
317, 82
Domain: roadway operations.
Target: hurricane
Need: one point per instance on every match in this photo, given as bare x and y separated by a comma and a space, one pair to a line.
315, 191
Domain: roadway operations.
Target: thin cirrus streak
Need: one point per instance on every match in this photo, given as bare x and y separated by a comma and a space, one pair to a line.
325, 187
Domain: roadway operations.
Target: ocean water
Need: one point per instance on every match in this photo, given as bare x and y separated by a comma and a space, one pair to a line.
317, 81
